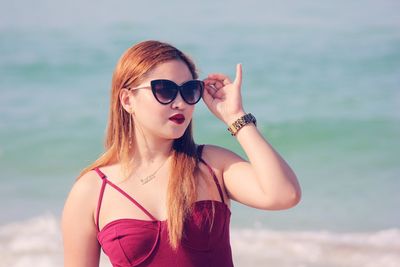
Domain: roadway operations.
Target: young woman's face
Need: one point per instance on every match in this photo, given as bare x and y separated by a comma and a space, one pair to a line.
153, 118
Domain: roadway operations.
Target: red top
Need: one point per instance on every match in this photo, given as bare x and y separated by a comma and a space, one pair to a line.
133, 242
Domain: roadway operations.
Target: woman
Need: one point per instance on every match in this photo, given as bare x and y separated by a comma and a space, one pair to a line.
155, 198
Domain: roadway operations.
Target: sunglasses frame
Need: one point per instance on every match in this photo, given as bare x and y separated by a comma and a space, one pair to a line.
179, 89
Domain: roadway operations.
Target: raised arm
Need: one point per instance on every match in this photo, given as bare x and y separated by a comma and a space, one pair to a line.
265, 181
81, 248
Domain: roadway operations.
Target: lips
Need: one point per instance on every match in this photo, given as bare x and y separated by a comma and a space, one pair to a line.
177, 118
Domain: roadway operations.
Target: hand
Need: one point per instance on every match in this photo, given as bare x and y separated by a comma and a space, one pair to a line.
223, 97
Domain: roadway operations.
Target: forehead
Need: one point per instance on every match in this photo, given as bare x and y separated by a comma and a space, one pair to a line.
174, 70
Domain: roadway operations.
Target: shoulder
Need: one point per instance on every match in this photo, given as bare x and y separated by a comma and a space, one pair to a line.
79, 230
219, 157
86, 185
82, 198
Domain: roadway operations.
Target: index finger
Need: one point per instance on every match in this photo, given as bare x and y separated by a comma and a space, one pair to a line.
238, 79
219, 76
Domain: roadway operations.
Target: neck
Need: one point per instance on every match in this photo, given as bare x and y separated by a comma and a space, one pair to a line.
147, 150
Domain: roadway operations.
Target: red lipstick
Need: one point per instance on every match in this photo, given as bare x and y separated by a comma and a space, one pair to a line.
177, 118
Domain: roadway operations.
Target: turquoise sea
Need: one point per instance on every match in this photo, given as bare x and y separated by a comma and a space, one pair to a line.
322, 78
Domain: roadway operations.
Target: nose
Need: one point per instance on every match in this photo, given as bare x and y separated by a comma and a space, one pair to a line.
178, 102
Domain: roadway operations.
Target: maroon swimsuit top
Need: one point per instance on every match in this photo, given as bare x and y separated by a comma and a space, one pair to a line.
134, 242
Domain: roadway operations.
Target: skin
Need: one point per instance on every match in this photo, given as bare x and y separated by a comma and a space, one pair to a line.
265, 181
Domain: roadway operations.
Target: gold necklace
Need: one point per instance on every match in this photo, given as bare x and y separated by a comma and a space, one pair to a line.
150, 177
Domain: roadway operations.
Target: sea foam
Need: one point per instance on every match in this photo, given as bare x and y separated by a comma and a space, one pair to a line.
315, 248
38, 242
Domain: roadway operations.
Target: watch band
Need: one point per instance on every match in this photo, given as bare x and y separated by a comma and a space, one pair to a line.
242, 121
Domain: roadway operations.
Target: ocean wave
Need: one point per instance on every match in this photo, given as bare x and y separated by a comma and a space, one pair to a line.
33, 242
316, 248
38, 242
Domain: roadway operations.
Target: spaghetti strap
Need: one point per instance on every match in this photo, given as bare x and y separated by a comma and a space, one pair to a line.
106, 181
100, 173
100, 200
199, 152
131, 199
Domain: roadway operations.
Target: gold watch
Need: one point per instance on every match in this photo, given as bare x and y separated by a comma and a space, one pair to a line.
242, 121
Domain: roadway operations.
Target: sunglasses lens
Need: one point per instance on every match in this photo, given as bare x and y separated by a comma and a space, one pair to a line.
164, 91
192, 91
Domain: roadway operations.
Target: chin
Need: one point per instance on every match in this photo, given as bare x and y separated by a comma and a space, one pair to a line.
171, 134
177, 133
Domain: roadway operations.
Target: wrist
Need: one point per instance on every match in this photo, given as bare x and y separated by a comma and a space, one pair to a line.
232, 118
240, 122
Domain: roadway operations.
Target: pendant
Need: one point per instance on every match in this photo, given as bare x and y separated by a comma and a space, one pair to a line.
148, 179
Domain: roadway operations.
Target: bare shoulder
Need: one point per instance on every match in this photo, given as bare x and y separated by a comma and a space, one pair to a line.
79, 230
86, 186
219, 157
83, 196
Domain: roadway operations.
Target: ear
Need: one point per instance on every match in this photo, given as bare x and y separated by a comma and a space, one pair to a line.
125, 96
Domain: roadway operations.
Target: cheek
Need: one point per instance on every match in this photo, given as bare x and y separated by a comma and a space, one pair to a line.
192, 107
144, 100
190, 111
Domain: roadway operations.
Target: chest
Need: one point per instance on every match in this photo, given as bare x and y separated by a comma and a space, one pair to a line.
132, 198
130, 242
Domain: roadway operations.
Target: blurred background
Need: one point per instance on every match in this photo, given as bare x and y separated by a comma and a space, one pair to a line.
322, 78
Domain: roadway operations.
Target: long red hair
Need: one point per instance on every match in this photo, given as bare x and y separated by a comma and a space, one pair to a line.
136, 62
